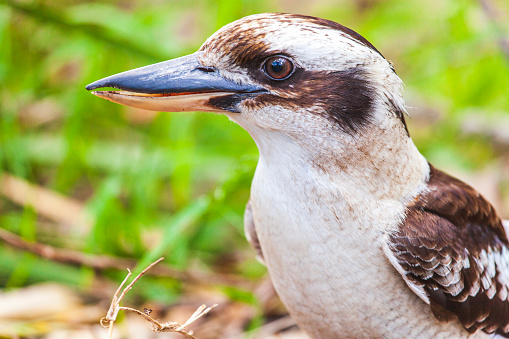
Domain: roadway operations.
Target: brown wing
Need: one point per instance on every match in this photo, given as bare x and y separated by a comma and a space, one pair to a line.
452, 247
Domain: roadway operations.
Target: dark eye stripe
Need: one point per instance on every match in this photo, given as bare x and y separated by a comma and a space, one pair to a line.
278, 68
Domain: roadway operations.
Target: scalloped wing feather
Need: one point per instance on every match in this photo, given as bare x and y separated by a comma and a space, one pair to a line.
452, 250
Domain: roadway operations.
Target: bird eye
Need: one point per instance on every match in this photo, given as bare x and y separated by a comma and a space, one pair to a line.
278, 68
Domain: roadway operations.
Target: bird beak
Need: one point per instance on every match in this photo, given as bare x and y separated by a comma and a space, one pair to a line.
181, 84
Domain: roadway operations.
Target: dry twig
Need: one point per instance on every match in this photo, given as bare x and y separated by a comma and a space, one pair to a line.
156, 326
102, 262
99, 262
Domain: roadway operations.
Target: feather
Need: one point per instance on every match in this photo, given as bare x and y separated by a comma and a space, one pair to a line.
454, 246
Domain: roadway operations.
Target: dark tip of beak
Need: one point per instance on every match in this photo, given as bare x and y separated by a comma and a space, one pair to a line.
106, 82
92, 86
118, 81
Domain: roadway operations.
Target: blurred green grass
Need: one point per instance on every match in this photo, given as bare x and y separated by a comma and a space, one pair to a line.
176, 184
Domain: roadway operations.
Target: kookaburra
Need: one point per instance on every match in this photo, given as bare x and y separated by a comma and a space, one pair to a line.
362, 237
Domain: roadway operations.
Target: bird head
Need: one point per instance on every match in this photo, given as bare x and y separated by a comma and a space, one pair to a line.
288, 75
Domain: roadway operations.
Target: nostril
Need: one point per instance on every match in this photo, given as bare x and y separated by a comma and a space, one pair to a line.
207, 69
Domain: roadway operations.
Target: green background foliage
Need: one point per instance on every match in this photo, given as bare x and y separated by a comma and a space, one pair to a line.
176, 184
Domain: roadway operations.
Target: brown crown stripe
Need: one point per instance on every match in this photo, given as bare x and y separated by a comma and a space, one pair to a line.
245, 45
334, 25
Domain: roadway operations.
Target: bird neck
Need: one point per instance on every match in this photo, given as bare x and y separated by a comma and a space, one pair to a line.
380, 161
384, 162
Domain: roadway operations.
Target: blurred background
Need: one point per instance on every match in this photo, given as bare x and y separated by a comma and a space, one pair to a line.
89, 188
